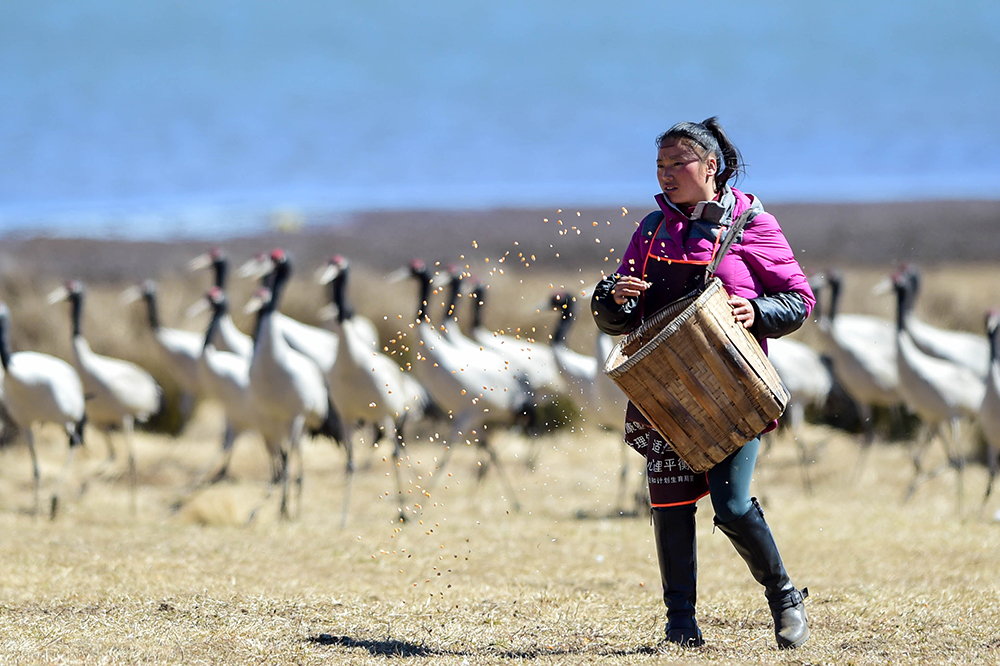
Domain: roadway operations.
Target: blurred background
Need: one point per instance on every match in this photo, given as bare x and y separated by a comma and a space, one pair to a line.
216, 118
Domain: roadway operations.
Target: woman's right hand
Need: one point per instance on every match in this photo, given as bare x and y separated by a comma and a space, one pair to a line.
628, 286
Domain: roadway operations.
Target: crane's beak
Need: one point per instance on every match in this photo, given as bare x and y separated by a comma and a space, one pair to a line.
992, 320
130, 295
327, 313
200, 262
254, 268
196, 308
398, 275
58, 294
326, 274
257, 301
883, 287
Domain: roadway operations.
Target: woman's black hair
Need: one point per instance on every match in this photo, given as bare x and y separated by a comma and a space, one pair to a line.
709, 136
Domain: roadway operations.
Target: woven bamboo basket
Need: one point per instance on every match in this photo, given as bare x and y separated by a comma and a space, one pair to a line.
699, 377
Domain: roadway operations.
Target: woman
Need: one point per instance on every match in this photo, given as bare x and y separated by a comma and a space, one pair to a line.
665, 260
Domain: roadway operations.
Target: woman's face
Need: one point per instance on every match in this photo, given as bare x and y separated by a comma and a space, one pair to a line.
684, 176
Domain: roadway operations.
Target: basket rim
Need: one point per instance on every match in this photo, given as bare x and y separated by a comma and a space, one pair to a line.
696, 301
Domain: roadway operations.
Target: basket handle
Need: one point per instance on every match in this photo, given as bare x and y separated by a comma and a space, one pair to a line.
734, 230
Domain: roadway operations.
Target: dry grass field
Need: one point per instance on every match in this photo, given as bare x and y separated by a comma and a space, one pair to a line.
467, 579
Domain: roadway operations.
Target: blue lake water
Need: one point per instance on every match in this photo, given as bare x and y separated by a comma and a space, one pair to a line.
201, 118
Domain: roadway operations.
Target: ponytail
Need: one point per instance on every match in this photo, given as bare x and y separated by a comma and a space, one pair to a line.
711, 139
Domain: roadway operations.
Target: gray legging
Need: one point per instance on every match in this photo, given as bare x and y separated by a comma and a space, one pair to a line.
729, 483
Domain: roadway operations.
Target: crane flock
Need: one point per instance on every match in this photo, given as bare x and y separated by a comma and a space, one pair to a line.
286, 380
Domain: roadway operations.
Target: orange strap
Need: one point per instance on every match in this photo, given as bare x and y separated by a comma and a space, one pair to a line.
664, 506
692, 262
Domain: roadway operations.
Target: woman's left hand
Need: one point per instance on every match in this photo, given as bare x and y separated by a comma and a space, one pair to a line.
742, 310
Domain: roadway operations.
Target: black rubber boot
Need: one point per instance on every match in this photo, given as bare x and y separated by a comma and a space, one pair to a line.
754, 542
676, 551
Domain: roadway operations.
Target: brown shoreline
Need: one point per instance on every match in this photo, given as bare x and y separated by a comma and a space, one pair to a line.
854, 234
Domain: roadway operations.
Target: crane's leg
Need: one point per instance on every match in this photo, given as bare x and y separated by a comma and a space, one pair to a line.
75, 441
993, 462
924, 440
35, 473
495, 459
228, 439
797, 418
956, 459
220, 462
459, 425
112, 454
128, 427
866, 443
370, 440
186, 404
348, 480
277, 456
397, 462
294, 450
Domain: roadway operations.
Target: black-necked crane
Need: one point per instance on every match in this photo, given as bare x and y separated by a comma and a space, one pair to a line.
960, 347
527, 358
369, 386
288, 391
497, 365
879, 330
477, 397
38, 388
225, 376
179, 349
336, 273
862, 352
228, 337
580, 371
941, 393
989, 411
318, 344
808, 380
119, 393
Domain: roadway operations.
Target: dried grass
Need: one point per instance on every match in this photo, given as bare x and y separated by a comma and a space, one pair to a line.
468, 581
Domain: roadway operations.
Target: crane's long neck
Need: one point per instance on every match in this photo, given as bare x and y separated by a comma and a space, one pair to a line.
423, 293
151, 309
450, 318
993, 333
218, 311
478, 295
338, 295
901, 305
256, 327
562, 329
4, 342
76, 312
817, 311
279, 280
221, 268
834, 298
264, 314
